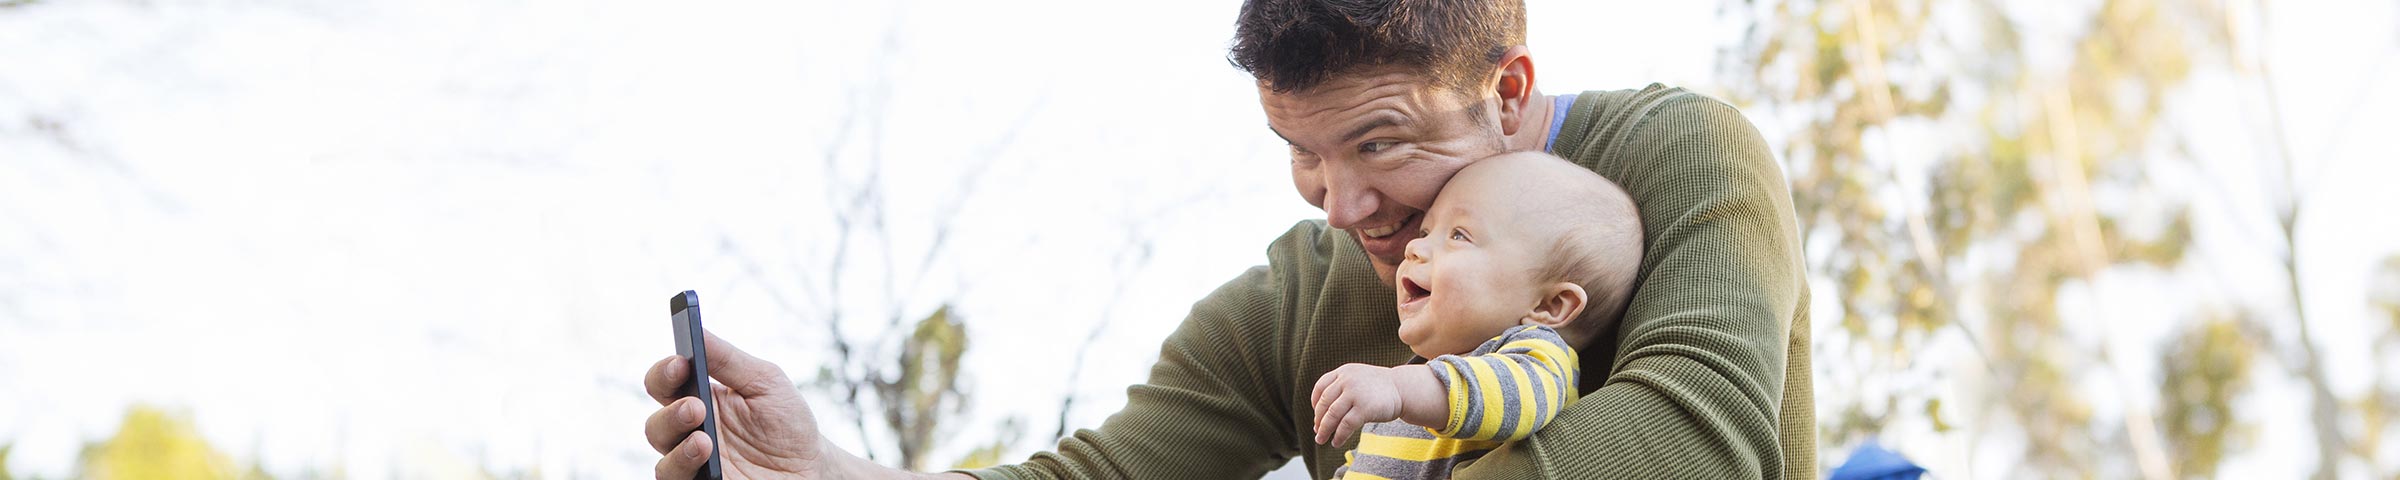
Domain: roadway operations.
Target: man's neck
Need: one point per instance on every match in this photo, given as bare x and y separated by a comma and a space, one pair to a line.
1533, 128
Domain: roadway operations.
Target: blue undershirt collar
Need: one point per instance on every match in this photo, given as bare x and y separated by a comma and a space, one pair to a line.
1558, 119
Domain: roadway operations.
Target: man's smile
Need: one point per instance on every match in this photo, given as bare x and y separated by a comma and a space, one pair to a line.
1386, 242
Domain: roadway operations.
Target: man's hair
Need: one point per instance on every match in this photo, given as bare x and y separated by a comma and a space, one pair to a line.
1294, 45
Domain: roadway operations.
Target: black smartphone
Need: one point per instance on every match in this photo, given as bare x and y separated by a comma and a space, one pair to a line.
689, 342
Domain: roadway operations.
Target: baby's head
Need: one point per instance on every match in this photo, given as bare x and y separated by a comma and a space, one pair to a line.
1519, 238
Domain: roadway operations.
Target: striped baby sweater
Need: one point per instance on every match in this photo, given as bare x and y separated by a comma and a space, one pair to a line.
1500, 392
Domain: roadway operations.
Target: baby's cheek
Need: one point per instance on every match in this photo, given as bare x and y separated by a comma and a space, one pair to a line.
1413, 330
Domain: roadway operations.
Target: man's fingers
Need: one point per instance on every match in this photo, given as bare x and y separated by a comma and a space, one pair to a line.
670, 424
686, 459
665, 379
747, 375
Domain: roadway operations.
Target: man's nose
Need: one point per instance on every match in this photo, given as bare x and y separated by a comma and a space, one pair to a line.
1347, 198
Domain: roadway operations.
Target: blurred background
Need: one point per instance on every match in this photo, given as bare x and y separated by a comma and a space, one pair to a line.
380, 239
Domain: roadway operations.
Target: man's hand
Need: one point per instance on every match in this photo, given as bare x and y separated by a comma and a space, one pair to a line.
1354, 395
768, 430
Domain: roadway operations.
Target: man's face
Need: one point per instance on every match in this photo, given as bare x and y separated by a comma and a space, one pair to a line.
1372, 148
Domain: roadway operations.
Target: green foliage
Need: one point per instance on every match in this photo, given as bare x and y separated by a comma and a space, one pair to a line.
927, 390
2204, 368
2377, 407
2003, 216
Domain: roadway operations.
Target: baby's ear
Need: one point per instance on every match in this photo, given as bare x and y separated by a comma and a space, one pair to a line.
1561, 303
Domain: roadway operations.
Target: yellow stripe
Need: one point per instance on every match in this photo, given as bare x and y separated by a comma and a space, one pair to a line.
1357, 475
1550, 354
1418, 449
1550, 386
1458, 400
1524, 408
1488, 382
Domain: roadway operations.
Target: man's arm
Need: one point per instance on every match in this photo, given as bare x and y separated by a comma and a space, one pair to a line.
1697, 378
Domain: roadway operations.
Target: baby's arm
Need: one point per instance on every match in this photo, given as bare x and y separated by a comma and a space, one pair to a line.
1509, 393
1354, 395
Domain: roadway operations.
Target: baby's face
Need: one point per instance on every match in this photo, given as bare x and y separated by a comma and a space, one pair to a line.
1472, 276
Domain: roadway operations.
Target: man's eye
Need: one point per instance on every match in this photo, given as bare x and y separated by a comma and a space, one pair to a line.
1302, 158
1372, 147
1459, 234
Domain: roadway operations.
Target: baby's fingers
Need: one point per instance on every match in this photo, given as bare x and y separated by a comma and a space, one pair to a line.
1351, 422
1316, 396
1329, 423
1326, 409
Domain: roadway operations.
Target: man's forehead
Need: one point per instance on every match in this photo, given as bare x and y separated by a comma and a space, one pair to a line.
1350, 90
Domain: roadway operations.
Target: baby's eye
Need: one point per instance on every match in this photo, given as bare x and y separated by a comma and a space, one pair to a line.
1459, 234
1422, 233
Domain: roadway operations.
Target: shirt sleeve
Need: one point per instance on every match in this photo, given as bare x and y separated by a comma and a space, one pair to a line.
1515, 383
1694, 380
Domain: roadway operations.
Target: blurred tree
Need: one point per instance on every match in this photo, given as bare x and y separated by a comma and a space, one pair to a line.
2341, 426
156, 444
1946, 170
927, 388
904, 366
2202, 371
993, 453
2376, 408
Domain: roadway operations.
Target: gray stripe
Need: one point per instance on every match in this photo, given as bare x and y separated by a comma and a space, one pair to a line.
1541, 395
1394, 468
1509, 405
1466, 380
1400, 430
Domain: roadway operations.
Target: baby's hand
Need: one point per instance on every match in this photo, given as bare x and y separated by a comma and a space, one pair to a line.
1349, 397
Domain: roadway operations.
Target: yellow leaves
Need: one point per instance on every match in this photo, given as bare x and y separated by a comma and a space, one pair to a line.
155, 444
927, 390
2204, 369
1933, 411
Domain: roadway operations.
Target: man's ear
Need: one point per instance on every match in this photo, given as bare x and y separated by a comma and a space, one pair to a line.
1513, 85
1561, 303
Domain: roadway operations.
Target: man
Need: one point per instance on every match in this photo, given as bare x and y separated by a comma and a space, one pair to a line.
1382, 101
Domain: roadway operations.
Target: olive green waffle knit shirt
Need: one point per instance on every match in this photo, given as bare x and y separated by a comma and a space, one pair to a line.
1706, 377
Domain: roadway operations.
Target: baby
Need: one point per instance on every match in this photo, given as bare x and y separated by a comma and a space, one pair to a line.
1526, 258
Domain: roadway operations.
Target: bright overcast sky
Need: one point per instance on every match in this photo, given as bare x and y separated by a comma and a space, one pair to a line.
410, 238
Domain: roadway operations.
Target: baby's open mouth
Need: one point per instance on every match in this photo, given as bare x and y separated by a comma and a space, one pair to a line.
1410, 291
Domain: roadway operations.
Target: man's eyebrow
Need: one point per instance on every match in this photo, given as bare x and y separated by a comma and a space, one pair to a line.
1279, 134
1370, 126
